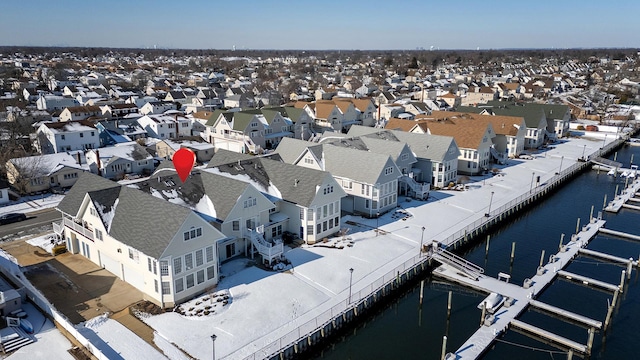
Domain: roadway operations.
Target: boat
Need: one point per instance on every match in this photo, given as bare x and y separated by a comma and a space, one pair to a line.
492, 302
26, 326
612, 172
634, 142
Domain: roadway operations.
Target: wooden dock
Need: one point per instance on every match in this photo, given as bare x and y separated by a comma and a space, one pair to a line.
520, 297
617, 203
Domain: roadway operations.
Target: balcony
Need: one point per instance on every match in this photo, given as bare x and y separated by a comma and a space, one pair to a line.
78, 228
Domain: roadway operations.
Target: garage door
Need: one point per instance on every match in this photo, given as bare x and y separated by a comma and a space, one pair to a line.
133, 277
111, 265
228, 145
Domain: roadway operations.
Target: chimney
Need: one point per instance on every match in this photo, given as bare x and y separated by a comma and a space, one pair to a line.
98, 162
79, 158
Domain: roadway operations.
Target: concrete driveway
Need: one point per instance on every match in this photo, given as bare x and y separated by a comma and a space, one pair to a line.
77, 287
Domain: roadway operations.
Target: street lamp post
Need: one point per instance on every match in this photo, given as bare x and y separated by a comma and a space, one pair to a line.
531, 186
350, 282
377, 222
489, 210
584, 147
561, 159
421, 238
213, 349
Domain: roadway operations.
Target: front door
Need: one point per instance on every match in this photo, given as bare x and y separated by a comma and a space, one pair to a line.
231, 250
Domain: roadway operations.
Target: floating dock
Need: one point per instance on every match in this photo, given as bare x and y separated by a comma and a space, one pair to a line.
520, 297
619, 201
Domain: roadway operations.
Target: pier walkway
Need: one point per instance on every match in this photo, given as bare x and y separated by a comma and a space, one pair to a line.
619, 201
518, 297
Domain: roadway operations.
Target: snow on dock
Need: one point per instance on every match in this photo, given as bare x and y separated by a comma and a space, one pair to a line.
518, 297
617, 203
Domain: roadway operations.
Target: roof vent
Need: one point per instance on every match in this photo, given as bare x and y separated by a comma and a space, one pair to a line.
295, 182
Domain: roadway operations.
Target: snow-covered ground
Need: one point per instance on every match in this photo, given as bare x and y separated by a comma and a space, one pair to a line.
50, 343
116, 341
29, 204
267, 305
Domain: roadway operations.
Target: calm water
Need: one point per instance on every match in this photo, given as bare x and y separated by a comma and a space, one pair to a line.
403, 331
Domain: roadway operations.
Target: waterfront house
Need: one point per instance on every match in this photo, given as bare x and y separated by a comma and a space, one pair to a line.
166, 251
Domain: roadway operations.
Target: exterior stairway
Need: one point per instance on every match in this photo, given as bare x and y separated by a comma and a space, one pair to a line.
267, 250
416, 190
16, 340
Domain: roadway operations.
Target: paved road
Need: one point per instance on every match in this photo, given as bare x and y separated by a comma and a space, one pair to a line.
36, 223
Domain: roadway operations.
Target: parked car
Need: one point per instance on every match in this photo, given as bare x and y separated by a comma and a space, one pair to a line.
11, 218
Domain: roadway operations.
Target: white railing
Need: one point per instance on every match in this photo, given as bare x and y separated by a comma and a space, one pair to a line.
267, 250
57, 227
420, 189
78, 228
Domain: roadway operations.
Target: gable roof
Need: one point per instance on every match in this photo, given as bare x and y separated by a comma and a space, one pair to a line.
143, 222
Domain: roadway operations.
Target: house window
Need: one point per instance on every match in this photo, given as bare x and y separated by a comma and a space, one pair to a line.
301, 214
330, 223
190, 281
336, 221
149, 264
318, 228
211, 272
309, 214
179, 285
81, 134
177, 265
308, 161
164, 268
236, 225
209, 253
62, 137
188, 261
250, 202
199, 257
404, 157
155, 285
388, 171
254, 124
133, 254
200, 276
92, 133
98, 234
166, 288
193, 233
309, 229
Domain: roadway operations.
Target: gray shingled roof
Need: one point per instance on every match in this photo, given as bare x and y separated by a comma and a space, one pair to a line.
424, 146
290, 149
358, 165
145, 222
86, 182
264, 173
222, 191
223, 156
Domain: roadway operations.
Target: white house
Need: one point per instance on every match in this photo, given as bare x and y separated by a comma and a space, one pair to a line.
114, 162
67, 136
166, 251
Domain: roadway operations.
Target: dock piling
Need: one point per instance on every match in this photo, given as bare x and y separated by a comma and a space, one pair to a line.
590, 341
484, 313
542, 258
591, 214
561, 241
578, 226
513, 252
629, 267
486, 248
604, 203
622, 280
570, 354
421, 291
444, 347
449, 305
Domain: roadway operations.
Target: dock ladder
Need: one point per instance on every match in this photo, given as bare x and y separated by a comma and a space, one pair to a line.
446, 257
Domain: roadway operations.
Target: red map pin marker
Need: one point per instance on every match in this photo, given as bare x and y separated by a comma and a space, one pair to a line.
183, 161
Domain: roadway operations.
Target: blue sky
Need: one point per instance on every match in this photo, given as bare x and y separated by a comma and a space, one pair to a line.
328, 24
